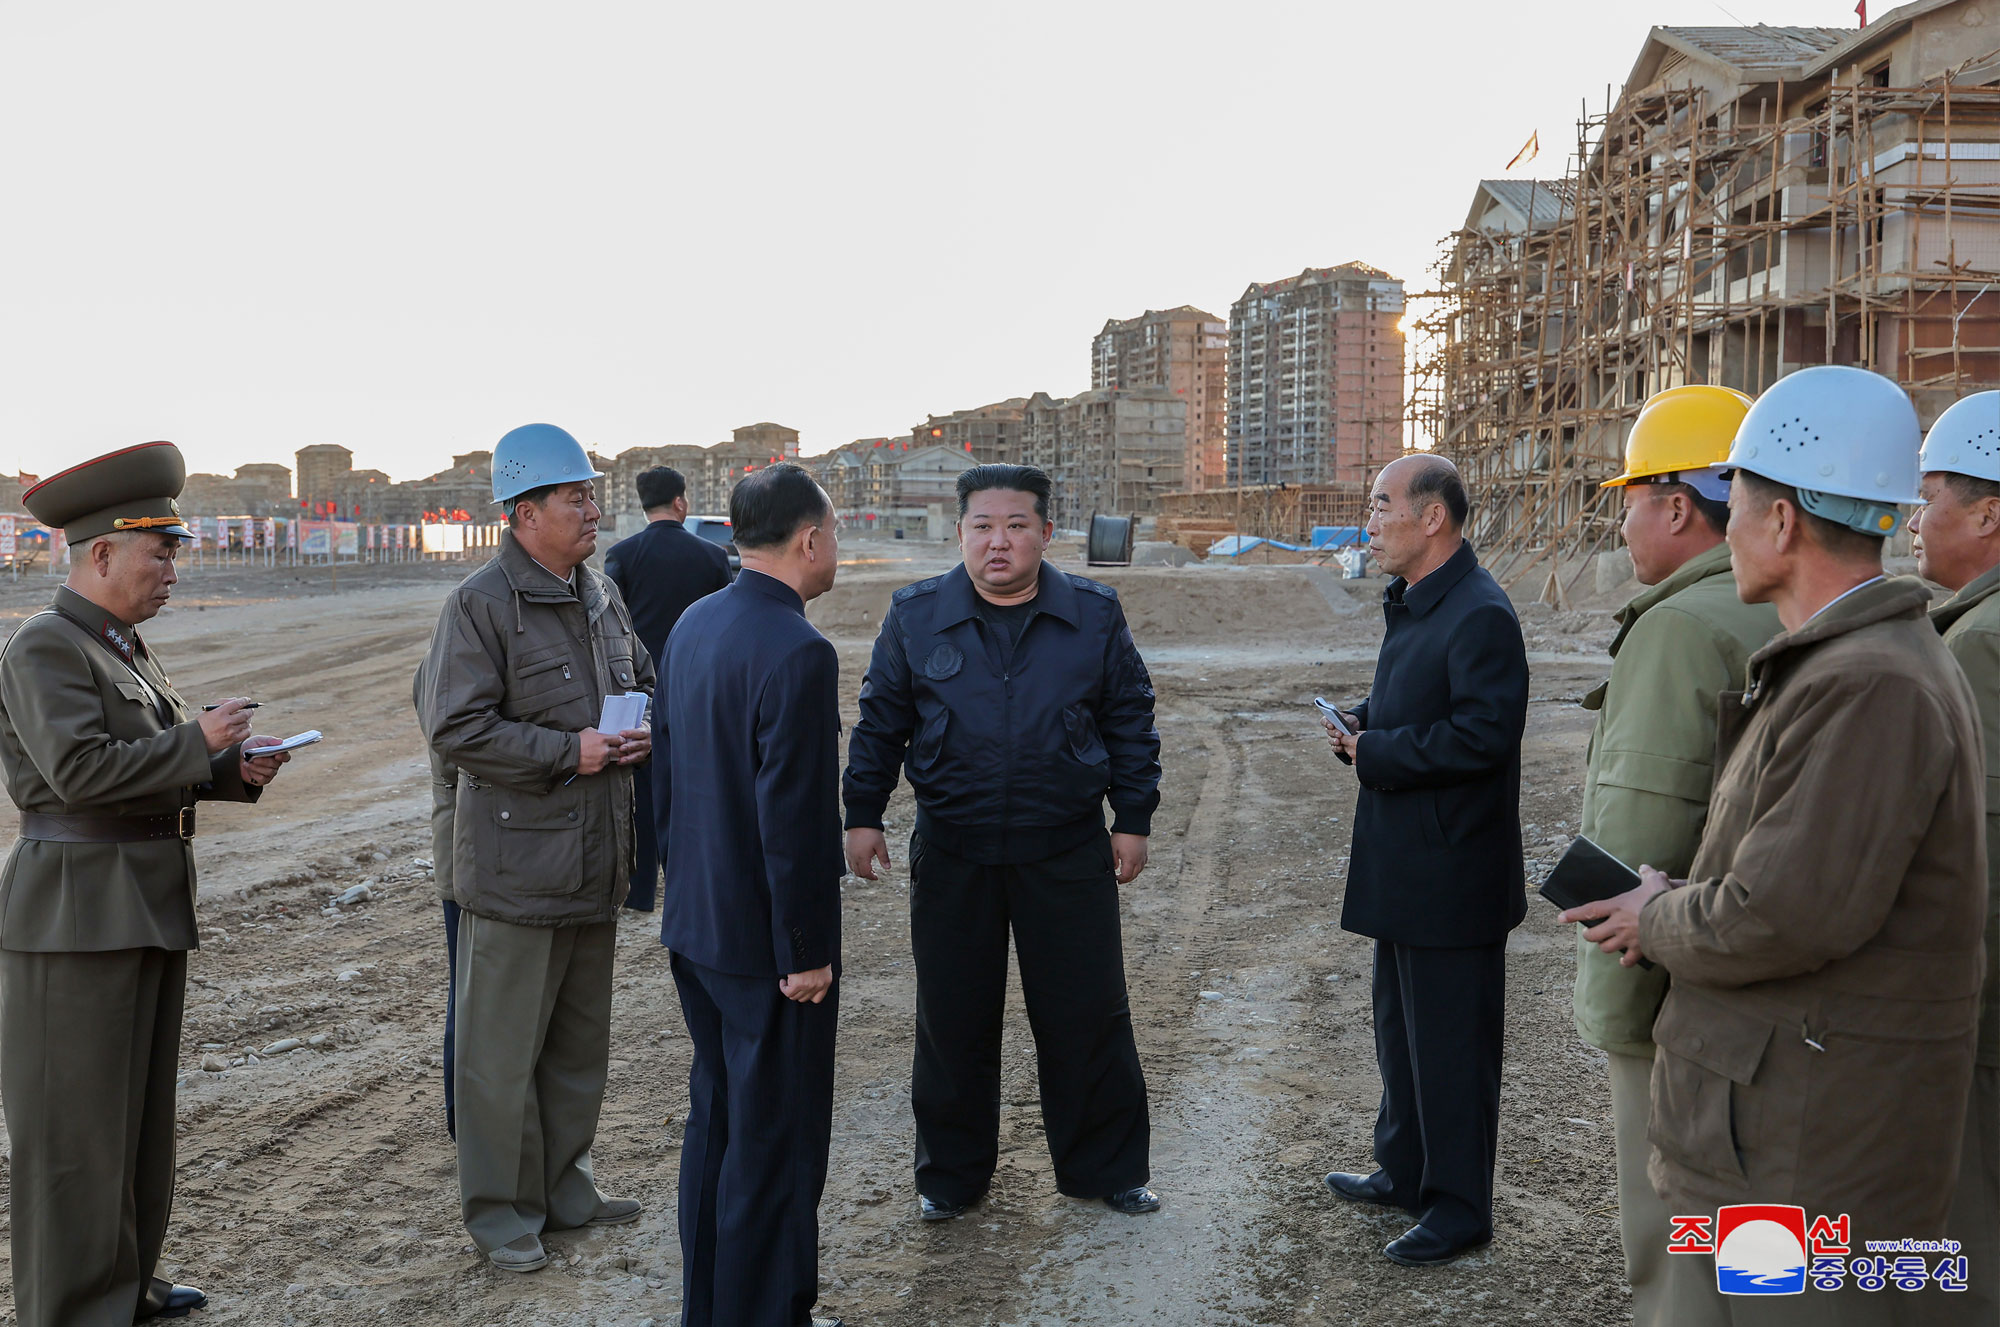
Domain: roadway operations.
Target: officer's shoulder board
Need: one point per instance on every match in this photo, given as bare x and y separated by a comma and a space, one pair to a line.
909, 592
1096, 587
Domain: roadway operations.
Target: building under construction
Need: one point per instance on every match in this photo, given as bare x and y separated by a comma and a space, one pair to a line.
1756, 200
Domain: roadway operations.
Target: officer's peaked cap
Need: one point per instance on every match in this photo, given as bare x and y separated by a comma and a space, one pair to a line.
131, 489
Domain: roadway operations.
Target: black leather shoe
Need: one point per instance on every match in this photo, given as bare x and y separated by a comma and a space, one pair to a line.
1374, 1188
178, 1302
1420, 1246
1133, 1202
930, 1209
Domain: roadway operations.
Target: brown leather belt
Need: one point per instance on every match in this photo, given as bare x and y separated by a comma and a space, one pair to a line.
107, 829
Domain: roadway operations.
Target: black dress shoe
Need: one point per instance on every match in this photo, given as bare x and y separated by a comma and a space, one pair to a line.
1374, 1188
178, 1302
1133, 1202
930, 1209
1420, 1246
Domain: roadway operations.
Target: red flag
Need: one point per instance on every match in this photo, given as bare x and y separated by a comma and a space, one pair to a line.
1862, 10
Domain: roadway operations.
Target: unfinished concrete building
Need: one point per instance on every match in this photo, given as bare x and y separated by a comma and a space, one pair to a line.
1316, 377
1113, 451
1186, 351
992, 433
1755, 201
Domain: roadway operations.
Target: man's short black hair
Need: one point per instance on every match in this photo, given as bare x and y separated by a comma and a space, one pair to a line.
1014, 478
535, 495
661, 486
1715, 513
1842, 541
775, 503
1435, 479
1970, 488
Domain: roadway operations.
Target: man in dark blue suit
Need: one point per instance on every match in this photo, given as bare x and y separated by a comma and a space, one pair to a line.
1435, 877
659, 571
748, 752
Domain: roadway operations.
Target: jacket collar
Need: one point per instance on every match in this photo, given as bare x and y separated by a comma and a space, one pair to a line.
769, 587
958, 601
1427, 593
527, 577
121, 636
1974, 593
1712, 562
1884, 601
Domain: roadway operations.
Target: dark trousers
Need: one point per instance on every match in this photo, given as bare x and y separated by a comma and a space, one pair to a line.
1438, 1032
450, 1015
1063, 912
753, 1166
89, 1050
646, 856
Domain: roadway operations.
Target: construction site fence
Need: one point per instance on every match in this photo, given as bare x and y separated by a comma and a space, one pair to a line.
223, 542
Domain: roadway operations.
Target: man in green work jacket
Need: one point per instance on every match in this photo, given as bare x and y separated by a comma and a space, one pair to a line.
106, 763
1956, 535
1646, 786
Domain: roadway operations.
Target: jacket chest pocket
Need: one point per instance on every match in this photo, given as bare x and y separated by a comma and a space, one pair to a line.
545, 679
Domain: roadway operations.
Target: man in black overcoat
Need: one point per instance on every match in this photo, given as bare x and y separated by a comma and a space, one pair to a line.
747, 801
1435, 878
660, 571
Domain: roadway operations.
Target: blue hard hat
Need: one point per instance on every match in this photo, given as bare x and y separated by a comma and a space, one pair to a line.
535, 455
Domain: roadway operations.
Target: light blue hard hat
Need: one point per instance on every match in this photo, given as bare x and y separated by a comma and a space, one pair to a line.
535, 455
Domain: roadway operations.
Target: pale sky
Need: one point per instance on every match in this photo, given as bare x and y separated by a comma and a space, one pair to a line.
408, 227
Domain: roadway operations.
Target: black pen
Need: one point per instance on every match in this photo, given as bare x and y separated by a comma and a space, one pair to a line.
251, 705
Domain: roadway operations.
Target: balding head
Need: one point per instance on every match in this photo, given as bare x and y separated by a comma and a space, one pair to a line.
1426, 477
1416, 511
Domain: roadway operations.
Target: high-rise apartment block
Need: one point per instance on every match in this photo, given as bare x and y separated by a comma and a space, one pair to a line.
1316, 377
1186, 351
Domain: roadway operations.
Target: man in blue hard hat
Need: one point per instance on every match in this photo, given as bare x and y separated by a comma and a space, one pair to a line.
525, 652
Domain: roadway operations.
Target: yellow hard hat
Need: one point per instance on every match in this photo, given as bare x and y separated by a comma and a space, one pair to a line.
1681, 432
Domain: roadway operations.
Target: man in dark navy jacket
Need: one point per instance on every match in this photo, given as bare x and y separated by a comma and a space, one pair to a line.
660, 571
1012, 694
1435, 877
748, 742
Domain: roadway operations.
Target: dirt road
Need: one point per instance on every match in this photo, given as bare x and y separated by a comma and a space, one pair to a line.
317, 1186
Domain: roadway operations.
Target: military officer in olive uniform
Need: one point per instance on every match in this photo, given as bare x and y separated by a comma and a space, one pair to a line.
106, 762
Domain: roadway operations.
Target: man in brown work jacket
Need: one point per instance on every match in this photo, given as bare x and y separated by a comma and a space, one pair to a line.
526, 649
1816, 1044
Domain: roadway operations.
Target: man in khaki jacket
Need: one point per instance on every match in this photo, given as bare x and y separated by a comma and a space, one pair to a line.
106, 763
525, 652
1680, 644
1957, 541
1816, 1042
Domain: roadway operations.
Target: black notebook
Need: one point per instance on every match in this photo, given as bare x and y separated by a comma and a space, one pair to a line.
1587, 874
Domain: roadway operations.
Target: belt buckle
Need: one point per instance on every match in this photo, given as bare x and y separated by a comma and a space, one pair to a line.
184, 823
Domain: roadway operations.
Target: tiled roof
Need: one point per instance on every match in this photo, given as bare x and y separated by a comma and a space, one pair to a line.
1548, 199
1759, 47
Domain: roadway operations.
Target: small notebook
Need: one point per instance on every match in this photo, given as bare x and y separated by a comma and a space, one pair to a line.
623, 713
306, 738
1587, 874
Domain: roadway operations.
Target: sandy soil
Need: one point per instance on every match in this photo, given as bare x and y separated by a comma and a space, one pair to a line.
317, 1186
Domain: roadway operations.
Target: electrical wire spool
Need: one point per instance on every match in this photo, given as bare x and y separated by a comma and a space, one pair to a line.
1110, 543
